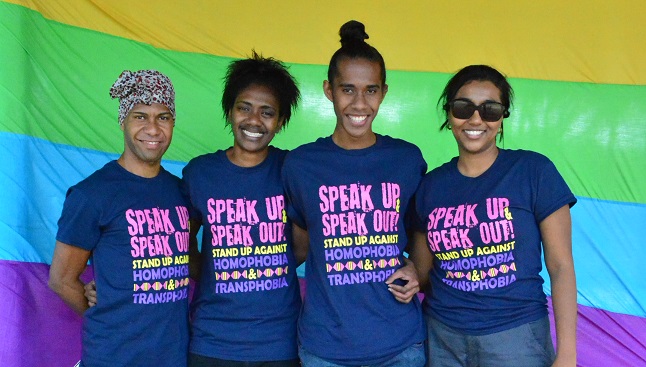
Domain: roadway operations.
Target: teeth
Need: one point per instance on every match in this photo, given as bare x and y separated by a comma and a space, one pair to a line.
474, 132
151, 142
358, 118
251, 134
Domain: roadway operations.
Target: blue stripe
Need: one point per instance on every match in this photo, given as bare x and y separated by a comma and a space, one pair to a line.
35, 175
609, 255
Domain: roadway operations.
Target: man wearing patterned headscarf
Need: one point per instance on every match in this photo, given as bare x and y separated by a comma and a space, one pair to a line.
131, 219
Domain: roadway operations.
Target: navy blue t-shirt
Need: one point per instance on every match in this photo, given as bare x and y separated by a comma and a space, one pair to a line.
484, 234
248, 298
353, 204
137, 230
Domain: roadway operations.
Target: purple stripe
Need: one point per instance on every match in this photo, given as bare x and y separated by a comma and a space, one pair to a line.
38, 329
608, 339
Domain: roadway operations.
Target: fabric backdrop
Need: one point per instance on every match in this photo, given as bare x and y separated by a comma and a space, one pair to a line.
578, 69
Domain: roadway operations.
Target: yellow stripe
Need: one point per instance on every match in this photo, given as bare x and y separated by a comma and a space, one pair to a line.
589, 41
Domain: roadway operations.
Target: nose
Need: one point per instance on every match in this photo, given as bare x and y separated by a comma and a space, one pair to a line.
152, 127
475, 118
254, 117
359, 100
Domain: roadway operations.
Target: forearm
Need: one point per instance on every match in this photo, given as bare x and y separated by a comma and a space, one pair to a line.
565, 313
195, 265
72, 293
194, 255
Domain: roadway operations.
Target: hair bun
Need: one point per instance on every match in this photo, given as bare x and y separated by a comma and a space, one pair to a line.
352, 31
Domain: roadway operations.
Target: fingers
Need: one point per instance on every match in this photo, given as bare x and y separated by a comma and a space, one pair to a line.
404, 293
90, 293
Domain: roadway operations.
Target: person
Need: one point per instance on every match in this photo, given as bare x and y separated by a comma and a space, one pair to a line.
349, 193
131, 219
247, 300
484, 215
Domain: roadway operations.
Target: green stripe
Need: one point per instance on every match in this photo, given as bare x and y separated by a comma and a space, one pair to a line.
55, 79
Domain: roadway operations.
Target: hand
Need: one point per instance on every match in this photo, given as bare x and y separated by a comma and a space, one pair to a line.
403, 283
90, 293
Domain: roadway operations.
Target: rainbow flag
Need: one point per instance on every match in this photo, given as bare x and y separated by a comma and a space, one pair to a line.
577, 69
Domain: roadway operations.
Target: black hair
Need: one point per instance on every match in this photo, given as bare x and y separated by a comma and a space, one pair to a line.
353, 46
262, 71
476, 73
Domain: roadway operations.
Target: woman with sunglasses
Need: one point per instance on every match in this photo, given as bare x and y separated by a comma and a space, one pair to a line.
484, 215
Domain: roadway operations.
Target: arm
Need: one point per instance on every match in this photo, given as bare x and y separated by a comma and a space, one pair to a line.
421, 256
407, 273
556, 231
67, 265
194, 255
301, 243
415, 272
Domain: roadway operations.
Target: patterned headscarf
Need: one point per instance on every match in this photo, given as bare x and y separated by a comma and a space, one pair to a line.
143, 86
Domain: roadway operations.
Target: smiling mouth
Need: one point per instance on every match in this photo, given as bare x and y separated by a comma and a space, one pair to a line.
252, 134
151, 143
474, 133
358, 119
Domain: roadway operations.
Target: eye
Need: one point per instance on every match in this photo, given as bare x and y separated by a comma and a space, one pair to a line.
268, 114
371, 91
243, 108
347, 90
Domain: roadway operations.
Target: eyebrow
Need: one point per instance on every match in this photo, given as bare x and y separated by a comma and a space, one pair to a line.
354, 86
264, 106
146, 114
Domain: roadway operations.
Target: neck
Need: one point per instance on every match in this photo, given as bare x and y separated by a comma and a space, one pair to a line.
351, 143
243, 158
475, 164
146, 170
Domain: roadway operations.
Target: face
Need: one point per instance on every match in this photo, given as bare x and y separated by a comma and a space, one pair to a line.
254, 119
356, 93
473, 134
147, 131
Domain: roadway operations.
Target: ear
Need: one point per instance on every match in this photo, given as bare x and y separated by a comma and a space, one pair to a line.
279, 126
121, 126
385, 90
327, 89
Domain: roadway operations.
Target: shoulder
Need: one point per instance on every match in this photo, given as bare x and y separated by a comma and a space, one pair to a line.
101, 177
204, 160
396, 143
445, 170
526, 158
277, 153
306, 151
168, 176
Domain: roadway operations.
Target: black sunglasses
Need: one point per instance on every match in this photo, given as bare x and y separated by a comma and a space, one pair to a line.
489, 111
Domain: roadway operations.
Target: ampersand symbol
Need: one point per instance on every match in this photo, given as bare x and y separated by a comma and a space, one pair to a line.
475, 276
367, 265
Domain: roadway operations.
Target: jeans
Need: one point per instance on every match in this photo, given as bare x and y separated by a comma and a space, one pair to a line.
527, 345
413, 356
196, 360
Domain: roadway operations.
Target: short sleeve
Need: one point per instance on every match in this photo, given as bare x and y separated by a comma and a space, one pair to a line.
79, 222
294, 202
185, 189
552, 191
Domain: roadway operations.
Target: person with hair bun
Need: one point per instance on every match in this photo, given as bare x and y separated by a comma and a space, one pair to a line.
349, 194
485, 217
